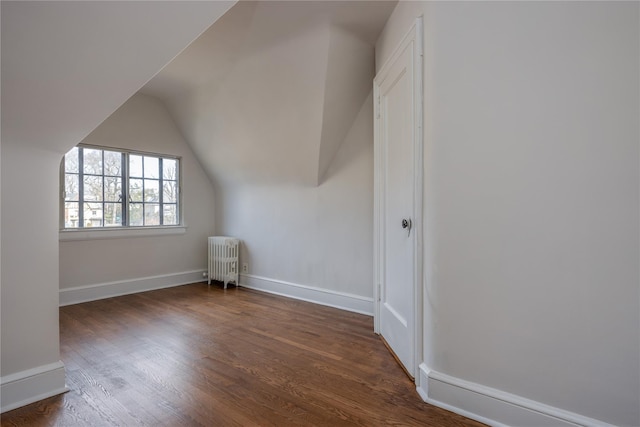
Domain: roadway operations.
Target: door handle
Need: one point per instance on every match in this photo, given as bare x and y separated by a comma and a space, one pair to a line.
406, 223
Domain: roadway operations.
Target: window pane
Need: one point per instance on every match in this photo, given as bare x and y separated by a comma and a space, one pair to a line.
71, 160
135, 214
96, 182
92, 188
151, 190
169, 215
92, 161
151, 165
151, 214
170, 169
71, 186
112, 163
112, 214
71, 215
135, 165
170, 191
135, 190
112, 189
93, 214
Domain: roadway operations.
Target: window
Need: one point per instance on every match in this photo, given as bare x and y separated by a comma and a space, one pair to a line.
106, 187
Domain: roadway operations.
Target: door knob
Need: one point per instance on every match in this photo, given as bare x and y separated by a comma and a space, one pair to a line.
406, 223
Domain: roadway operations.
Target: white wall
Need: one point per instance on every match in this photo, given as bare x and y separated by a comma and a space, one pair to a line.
65, 67
313, 236
350, 68
144, 124
532, 199
29, 258
292, 108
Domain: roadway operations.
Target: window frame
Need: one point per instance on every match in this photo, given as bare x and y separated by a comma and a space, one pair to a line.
124, 230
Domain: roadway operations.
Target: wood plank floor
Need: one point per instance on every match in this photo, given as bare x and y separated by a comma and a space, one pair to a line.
198, 356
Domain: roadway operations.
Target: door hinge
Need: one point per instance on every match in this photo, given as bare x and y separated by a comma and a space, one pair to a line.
379, 292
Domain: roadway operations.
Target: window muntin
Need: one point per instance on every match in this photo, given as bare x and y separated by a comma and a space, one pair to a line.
105, 187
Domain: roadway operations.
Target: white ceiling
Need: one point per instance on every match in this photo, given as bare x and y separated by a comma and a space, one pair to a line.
66, 66
215, 51
269, 91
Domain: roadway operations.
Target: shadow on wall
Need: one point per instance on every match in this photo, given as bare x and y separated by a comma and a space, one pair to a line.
349, 153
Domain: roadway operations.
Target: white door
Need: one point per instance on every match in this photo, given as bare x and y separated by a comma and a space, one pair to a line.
398, 192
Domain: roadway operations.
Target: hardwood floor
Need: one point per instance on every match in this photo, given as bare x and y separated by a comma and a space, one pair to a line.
198, 356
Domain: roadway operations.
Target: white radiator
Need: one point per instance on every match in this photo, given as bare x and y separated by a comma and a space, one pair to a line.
223, 259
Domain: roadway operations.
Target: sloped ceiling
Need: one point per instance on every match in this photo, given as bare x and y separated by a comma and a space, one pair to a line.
66, 66
268, 93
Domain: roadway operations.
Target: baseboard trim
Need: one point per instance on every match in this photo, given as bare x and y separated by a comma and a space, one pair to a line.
341, 300
79, 294
25, 387
494, 407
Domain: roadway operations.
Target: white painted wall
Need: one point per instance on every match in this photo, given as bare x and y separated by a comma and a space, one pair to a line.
29, 257
292, 107
349, 70
65, 67
144, 124
313, 236
532, 198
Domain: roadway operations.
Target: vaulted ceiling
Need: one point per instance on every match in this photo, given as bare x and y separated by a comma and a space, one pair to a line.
66, 66
266, 93
270, 90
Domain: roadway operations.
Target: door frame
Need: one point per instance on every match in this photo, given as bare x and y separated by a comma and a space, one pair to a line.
415, 37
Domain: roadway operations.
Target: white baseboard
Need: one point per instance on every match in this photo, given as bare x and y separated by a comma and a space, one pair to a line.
25, 387
494, 407
320, 296
98, 291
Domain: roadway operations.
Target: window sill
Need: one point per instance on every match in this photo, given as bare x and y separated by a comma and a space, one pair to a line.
119, 233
